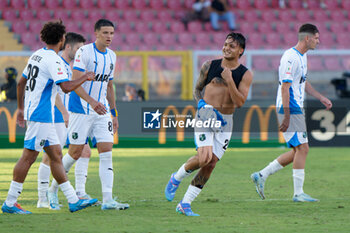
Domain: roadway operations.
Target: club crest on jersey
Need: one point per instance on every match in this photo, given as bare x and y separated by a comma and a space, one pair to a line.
42, 142
202, 137
75, 135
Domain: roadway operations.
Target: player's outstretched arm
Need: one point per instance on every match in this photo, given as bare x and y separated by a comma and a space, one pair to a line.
20, 101
111, 102
197, 93
311, 91
74, 84
238, 95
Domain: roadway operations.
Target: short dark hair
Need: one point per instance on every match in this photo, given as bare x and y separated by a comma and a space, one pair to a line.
73, 38
239, 38
308, 28
52, 32
103, 23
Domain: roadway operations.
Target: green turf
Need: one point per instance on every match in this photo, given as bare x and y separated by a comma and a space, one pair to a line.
228, 202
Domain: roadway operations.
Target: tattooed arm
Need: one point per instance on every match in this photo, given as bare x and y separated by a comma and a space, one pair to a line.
201, 81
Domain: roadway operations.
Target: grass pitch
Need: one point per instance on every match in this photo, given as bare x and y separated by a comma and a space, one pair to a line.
228, 203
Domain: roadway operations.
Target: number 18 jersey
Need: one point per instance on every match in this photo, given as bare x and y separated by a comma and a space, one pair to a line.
44, 70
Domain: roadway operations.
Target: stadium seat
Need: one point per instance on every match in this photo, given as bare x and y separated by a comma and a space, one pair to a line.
243, 4
165, 15
180, 47
185, 39
269, 15
326, 40
315, 63
130, 15
320, 15
195, 27
78, 15
286, 15
261, 4
337, 27
173, 63
139, 4
147, 15
150, 39
275, 62
175, 5
29, 37
261, 64
177, 27
251, 16
265, 27
72, 26
332, 5
133, 39
95, 15
61, 14
204, 39
188, 4
35, 4
332, 63
345, 4
283, 27
338, 15
290, 39
219, 38
168, 38
118, 39
343, 40
303, 15
313, 4
52, 4
27, 15
247, 27
105, 4
87, 4
113, 15
70, 4
16, 4
19, 27
295, 4
44, 14
159, 26
142, 26
35, 26
4, 4
10, 15
122, 4
274, 39
87, 26
157, 4
255, 41
124, 27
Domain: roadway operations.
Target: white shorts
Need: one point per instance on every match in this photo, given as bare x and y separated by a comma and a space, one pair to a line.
82, 126
39, 135
62, 133
296, 132
218, 140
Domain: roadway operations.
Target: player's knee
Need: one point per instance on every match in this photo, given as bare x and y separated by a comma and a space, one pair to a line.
304, 148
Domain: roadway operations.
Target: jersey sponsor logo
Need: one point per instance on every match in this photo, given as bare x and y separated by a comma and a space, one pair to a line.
78, 58
151, 120
42, 142
59, 71
102, 78
111, 66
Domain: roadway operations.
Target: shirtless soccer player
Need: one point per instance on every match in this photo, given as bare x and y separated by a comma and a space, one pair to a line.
222, 86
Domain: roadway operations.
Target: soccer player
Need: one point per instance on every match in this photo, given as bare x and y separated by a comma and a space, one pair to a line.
43, 72
289, 106
226, 84
73, 42
89, 105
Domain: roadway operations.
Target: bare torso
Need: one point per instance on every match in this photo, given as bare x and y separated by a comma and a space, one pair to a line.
216, 93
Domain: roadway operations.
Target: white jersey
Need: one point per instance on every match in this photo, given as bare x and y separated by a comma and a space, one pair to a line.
64, 96
89, 58
292, 69
44, 70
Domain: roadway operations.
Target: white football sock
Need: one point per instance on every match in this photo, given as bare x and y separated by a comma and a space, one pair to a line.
69, 192
81, 171
270, 169
191, 193
181, 173
298, 180
106, 175
43, 180
14, 192
68, 162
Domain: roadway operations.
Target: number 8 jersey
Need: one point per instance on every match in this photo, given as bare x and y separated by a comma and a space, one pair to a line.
44, 70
